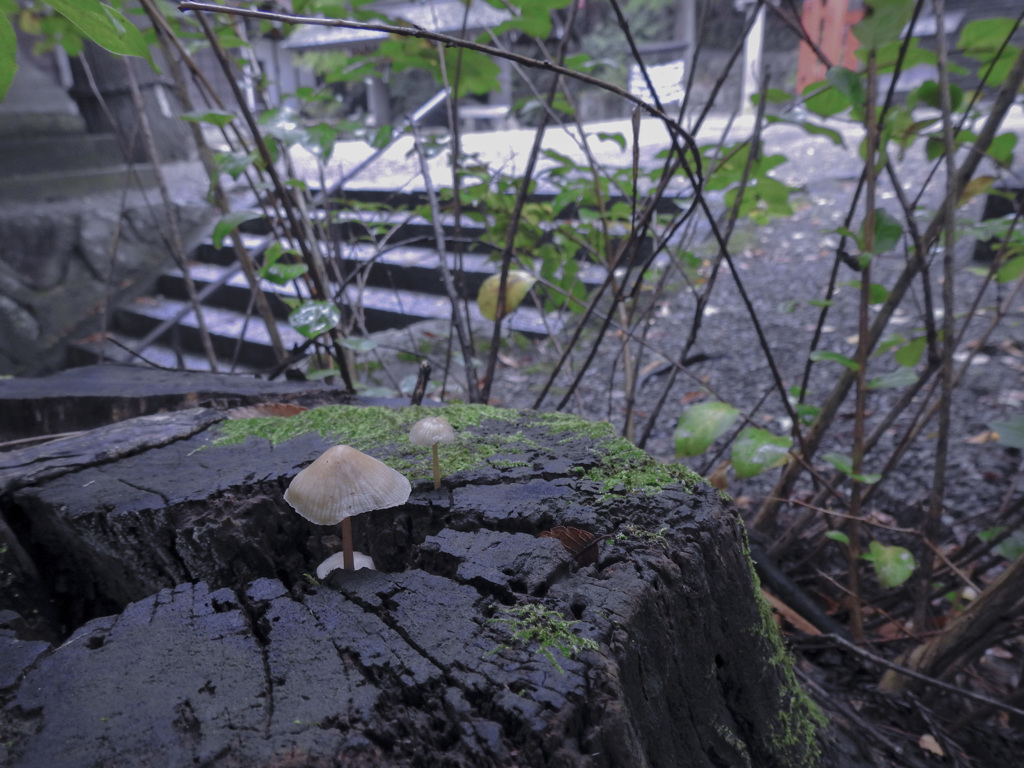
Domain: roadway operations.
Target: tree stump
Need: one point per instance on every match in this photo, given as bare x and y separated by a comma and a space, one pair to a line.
174, 587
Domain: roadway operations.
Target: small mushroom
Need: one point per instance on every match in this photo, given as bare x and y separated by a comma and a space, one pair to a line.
337, 560
431, 431
341, 484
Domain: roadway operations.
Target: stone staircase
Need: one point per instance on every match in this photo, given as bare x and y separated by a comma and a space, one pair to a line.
45, 151
388, 286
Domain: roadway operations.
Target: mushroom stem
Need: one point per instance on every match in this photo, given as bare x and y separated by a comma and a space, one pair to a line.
437, 468
346, 544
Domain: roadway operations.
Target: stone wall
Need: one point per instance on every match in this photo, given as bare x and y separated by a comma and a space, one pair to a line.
63, 264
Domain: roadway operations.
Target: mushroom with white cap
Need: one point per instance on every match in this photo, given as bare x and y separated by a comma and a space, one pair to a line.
337, 561
341, 484
431, 431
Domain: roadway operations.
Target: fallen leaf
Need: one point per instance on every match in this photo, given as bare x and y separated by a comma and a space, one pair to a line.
719, 478
988, 436
582, 544
928, 742
787, 613
691, 397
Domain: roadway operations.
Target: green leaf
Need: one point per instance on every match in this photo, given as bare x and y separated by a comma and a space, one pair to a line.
839, 536
321, 140
105, 26
883, 22
313, 318
845, 465
888, 54
848, 83
990, 533
877, 294
359, 344
893, 565
1012, 547
901, 377
229, 222
835, 357
478, 75
910, 353
323, 373
982, 38
888, 231
283, 125
807, 413
534, 18
757, 450
896, 340
233, 163
214, 117
1011, 270
1001, 148
928, 92
1011, 432
814, 130
8, 49
282, 274
381, 137
825, 101
772, 96
701, 425
619, 139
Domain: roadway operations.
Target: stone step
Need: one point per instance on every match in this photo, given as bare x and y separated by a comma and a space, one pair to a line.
58, 154
415, 270
116, 350
227, 330
86, 181
382, 309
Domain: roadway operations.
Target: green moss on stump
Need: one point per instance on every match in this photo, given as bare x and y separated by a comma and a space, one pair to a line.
380, 430
800, 722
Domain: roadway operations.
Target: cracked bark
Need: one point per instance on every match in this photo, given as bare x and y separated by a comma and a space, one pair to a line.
220, 652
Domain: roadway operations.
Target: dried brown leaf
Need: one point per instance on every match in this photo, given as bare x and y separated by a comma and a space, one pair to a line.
582, 544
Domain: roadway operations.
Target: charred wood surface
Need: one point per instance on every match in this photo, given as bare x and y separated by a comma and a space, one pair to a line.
163, 615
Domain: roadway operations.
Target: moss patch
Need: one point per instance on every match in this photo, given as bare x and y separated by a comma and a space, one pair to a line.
795, 738
628, 468
623, 468
532, 623
361, 428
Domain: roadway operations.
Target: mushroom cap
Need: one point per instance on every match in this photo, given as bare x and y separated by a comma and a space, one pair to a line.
345, 482
432, 429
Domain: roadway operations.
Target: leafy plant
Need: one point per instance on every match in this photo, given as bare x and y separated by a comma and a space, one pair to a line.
661, 235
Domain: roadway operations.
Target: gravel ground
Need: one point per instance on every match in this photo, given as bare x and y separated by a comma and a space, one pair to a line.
790, 260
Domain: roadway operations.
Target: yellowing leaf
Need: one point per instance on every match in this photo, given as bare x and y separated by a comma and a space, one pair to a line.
517, 285
975, 186
988, 436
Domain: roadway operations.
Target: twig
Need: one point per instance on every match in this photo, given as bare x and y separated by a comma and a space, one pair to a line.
932, 521
968, 632
309, 252
448, 41
177, 247
766, 516
461, 327
517, 211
